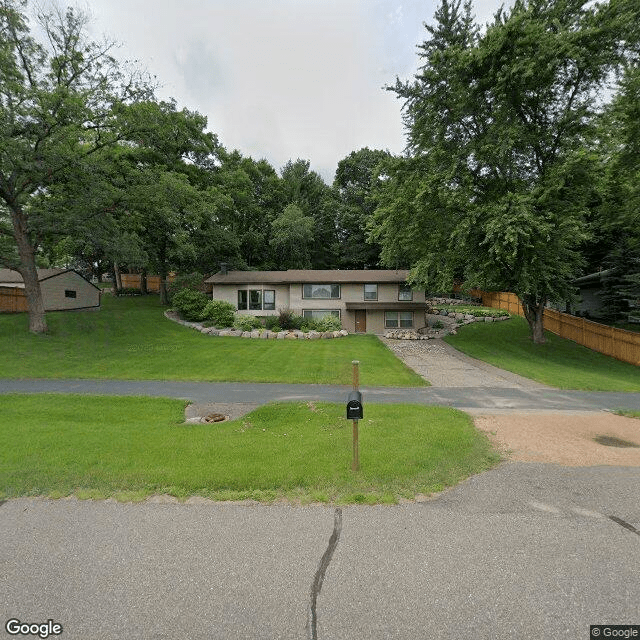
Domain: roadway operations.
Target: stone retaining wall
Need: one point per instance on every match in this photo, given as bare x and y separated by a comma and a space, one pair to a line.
260, 334
450, 324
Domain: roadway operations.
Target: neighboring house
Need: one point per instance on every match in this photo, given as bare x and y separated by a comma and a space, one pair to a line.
590, 287
62, 289
368, 301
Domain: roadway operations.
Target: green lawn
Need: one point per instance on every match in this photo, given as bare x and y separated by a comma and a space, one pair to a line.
129, 338
94, 447
560, 363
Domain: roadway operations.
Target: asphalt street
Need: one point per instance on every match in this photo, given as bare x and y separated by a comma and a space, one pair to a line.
516, 399
526, 551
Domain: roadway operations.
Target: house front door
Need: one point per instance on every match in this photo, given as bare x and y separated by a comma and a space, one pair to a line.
361, 321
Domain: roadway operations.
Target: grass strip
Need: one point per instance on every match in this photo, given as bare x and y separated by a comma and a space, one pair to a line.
629, 413
560, 363
130, 448
130, 339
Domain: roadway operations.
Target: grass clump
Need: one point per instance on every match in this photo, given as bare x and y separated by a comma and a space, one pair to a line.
559, 362
130, 448
629, 413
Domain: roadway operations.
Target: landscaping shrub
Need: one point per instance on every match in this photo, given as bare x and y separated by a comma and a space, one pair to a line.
289, 321
271, 323
190, 303
193, 281
220, 313
247, 323
328, 323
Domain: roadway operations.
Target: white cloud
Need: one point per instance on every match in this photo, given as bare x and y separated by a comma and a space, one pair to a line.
279, 79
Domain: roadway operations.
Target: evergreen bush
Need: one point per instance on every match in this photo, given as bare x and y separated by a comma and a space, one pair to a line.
190, 304
220, 313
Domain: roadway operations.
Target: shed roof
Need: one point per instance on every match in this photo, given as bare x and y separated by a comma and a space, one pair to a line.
9, 276
338, 276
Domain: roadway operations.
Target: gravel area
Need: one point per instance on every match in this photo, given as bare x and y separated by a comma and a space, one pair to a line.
563, 439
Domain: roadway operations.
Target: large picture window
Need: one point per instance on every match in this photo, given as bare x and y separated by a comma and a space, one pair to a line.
370, 291
318, 314
398, 319
405, 293
321, 291
256, 299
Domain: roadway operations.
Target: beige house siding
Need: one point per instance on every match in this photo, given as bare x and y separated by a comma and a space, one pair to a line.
55, 288
290, 296
62, 290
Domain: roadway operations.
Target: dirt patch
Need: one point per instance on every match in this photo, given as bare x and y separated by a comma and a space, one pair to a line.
229, 410
564, 439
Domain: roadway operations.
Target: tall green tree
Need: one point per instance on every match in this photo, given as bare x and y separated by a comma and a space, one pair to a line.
355, 181
59, 99
251, 197
292, 238
307, 190
618, 222
499, 127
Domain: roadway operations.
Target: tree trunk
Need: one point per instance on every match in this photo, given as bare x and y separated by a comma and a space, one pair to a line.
164, 298
28, 271
143, 282
534, 313
116, 273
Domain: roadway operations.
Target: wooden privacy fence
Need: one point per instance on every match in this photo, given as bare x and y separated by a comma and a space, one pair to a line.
132, 281
12, 300
618, 343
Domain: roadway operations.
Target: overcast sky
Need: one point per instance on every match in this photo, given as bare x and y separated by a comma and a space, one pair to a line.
280, 79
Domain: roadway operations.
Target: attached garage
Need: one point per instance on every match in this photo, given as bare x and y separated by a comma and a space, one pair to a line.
62, 290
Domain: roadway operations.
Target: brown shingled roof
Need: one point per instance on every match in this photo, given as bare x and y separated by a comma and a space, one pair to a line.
310, 275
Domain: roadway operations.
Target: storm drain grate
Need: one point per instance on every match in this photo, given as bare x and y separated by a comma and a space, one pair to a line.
612, 441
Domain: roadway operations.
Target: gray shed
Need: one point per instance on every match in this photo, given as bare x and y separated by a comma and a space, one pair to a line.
62, 290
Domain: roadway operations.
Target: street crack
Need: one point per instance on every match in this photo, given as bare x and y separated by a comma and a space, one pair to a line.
624, 524
322, 569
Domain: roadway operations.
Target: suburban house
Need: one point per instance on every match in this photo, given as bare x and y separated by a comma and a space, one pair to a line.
367, 301
62, 290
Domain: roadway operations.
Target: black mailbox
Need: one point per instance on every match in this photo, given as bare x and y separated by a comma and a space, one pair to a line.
354, 406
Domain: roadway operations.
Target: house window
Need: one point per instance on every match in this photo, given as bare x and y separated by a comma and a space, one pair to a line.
405, 293
317, 314
255, 299
321, 291
395, 319
269, 299
370, 291
69, 293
